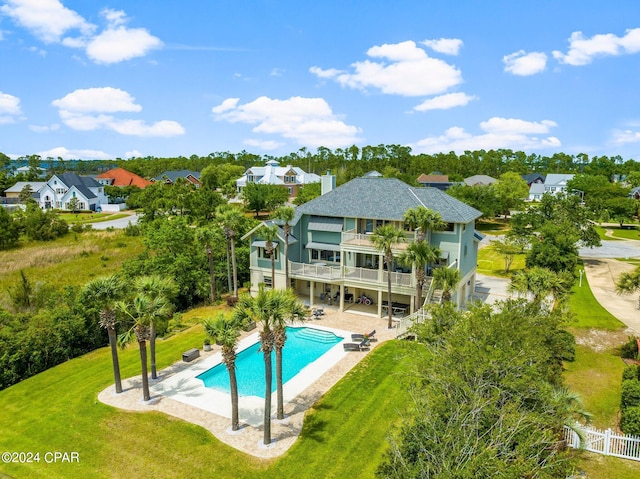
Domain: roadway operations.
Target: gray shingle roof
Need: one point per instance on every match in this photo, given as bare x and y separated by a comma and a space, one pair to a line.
386, 199
82, 183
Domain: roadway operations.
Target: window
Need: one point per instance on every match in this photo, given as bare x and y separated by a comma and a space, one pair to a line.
262, 253
325, 255
450, 227
250, 178
290, 190
267, 282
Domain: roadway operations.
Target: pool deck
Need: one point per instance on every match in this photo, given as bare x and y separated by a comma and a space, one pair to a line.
179, 394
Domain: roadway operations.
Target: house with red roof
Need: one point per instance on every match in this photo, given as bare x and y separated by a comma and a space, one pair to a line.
121, 177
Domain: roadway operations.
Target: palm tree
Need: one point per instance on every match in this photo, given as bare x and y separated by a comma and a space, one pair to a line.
103, 292
231, 219
271, 309
156, 287
226, 332
425, 220
447, 280
419, 255
542, 282
384, 239
286, 309
258, 309
285, 215
629, 282
270, 234
139, 312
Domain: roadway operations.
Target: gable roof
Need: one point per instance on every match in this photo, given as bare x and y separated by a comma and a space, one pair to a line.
479, 180
122, 177
272, 173
557, 179
432, 178
173, 175
82, 183
35, 186
385, 199
531, 177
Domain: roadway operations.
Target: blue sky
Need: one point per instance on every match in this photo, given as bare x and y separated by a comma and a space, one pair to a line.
96, 80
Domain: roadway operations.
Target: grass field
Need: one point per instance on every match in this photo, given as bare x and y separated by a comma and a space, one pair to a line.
588, 312
491, 263
71, 260
344, 435
86, 218
493, 226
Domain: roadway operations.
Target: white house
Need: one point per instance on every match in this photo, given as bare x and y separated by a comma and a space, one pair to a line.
290, 177
61, 189
556, 183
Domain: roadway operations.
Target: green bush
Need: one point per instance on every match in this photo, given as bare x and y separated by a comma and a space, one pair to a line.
629, 349
630, 421
630, 373
630, 394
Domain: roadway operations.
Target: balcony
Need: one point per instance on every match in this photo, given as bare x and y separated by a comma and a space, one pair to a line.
366, 276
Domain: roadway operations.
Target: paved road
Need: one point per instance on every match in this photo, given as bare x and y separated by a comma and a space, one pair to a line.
613, 249
118, 223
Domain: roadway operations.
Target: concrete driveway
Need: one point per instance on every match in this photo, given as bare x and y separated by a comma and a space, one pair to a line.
118, 223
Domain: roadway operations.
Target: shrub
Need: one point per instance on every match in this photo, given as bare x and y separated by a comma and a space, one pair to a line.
77, 228
132, 230
231, 301
629, 349
630, 394
630, 373
630, 421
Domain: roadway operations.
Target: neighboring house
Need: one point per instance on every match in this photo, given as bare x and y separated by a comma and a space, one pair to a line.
635, 193
556, 183
435, 180
289, 177
61, 189
15, 190
479, 180
170, 177
532, 178
331, 253
42, 173
553, 184
372, 174
536, 190
121, 177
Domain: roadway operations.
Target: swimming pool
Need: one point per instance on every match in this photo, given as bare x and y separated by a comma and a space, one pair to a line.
304, 345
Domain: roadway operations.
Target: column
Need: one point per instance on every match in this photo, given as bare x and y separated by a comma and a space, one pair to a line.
341, 292
311, 295
380, 303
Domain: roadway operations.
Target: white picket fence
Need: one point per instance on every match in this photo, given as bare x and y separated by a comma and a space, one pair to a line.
604, 442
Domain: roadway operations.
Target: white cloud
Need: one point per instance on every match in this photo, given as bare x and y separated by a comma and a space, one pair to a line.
626, 136
105, 99
308, 121
68, 154
48, 20
88, 109
444, 102
9, 108
133, 154
44, 128
228, 104
524, 64
118, 43
498, 133
583, 50
267, 145
449, 46
407, 71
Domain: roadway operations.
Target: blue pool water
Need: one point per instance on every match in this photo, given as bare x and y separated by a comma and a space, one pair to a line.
304, 345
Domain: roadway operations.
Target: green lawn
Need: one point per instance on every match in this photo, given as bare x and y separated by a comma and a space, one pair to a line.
588, 312
344, 435
491, 263
493, 226
86, 218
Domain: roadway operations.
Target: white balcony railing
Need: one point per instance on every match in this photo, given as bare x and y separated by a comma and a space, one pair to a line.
365, 275
351, 238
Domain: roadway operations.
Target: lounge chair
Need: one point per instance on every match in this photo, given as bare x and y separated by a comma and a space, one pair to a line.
360, 337
351, 346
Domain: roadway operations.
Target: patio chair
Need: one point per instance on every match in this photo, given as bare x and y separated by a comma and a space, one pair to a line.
351, 346
360, 337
